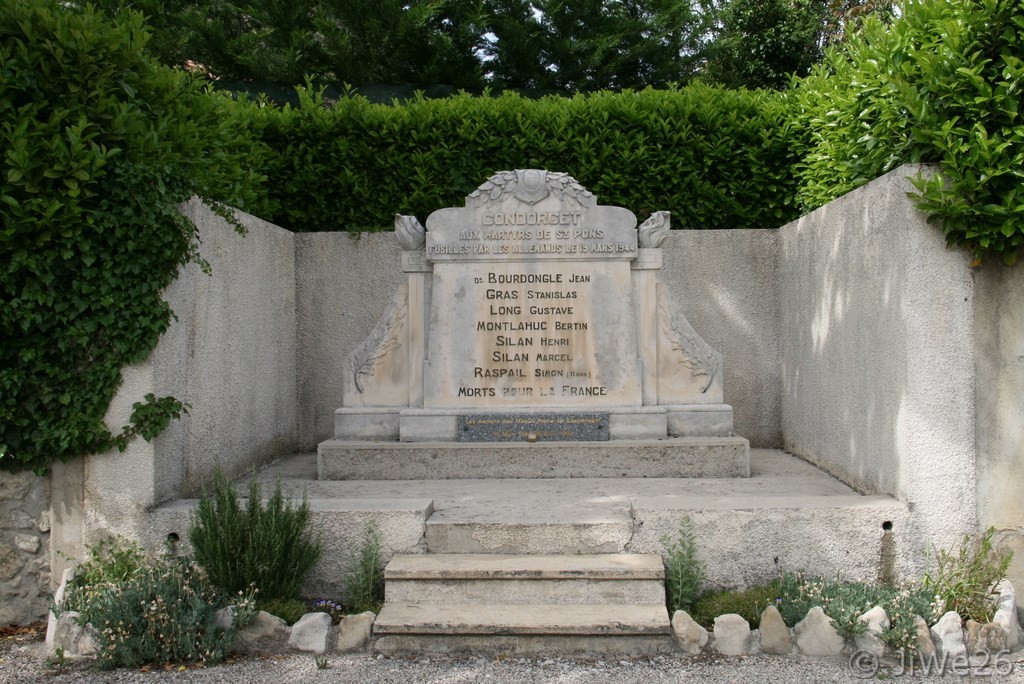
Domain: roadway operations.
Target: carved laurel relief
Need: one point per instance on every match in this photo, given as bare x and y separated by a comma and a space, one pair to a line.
695, 353
382, 340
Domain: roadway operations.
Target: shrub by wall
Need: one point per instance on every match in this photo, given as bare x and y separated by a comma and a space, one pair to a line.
944, 83
100, 147
716, 158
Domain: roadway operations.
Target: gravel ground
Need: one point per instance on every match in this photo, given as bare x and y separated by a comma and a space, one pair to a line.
22, 660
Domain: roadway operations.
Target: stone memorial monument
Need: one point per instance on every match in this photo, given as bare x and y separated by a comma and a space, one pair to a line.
533, 315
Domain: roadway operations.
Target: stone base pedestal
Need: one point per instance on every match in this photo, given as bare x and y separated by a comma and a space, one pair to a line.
375, 424
675, 457
442, 425
699, 420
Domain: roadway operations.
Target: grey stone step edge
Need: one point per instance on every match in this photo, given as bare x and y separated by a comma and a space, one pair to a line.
521, 619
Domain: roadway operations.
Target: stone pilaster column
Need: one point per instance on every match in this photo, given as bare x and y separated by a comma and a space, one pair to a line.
416, 267
412, 239
645, 280
652, 234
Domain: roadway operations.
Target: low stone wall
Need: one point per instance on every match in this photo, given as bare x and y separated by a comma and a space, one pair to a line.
24, 548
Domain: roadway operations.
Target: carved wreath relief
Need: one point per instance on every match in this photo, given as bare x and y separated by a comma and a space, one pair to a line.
529, 186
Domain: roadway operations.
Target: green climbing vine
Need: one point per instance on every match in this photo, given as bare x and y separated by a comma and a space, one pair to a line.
100, 146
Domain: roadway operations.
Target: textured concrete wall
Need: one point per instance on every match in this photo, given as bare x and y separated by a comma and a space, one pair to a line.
742, 547
24, 547
999, 336
878, 353
230, 355
725, 282
343, 284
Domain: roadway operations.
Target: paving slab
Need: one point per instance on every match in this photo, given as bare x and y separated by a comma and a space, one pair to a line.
773, 474
533, 591
522, 579
501, 647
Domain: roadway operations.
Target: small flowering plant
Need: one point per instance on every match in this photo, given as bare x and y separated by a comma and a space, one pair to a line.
109, 562
908, 603
964, 578
846, 602
332, 608
162, 611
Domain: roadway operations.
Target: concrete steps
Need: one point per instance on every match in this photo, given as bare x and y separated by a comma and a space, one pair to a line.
602, 605
633, 579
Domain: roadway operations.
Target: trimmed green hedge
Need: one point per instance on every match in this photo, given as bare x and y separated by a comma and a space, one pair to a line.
716, 158
945, 84
100, 146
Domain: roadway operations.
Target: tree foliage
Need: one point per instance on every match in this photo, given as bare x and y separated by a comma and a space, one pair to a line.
566, 45
419, 42
534, 45
586, 45
762, 43
843, 17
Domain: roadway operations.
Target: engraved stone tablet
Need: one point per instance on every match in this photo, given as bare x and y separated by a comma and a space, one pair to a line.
538, 427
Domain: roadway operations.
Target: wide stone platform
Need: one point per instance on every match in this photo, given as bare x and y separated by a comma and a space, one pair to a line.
680, 457
787, 515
